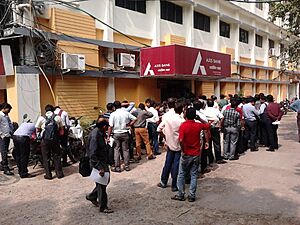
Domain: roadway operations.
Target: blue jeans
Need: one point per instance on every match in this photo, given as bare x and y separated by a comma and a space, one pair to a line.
188, 165
171, 166
153, 135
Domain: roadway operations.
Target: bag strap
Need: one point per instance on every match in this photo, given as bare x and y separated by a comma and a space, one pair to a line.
60, 112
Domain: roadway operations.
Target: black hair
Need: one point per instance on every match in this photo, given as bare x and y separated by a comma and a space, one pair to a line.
213, 97
6, 106
191, 113
117, 104
101, 124
210, 103
222, 96
270, 98
178, 107
142, 106
56, 107
171, 102
198, 105
203, 97
110, 106
148, 100
234, 103
49, 108
263, 98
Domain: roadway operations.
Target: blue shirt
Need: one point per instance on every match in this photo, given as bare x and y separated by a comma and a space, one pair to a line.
250, 112
25, 129
296, 106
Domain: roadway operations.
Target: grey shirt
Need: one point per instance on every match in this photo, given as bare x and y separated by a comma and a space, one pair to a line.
250, 112
141, 116
6, 127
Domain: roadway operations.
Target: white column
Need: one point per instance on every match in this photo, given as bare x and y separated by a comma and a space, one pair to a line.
188, 21
215, 30
218, 89
235, 28
266, 49
252, 45
154, 9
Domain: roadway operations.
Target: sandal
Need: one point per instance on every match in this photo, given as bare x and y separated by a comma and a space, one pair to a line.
107, 210
178, 198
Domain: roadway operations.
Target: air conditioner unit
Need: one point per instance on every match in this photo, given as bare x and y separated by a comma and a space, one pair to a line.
42, 9
126, 60
72, 62
272, 52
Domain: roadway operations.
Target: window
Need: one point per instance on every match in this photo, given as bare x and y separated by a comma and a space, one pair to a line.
201, 22
271, 44
244, 36
170, 12
224, 29
258, 40
259, 5
135, 5
281, 48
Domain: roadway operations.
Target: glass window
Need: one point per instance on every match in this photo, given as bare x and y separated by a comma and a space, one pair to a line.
170, 11
271, 44
259, 5
201, 22
244, 36
224, 29
135, 5
258, 40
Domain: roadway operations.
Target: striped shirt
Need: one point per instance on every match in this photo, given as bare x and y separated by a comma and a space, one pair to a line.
232, 118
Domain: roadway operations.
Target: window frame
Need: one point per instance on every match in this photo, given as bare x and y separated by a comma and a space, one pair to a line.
271, 41
139, 6
259, 40
172, 10
259, 5
245, 33
227, 29
204, 20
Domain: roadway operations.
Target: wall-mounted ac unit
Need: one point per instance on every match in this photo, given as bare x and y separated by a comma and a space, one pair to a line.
72, 62
272, 52
126, 60
42, 9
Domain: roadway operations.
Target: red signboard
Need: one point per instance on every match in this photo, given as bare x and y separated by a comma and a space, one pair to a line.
176, 60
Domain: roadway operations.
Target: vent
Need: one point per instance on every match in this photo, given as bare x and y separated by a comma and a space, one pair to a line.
72, 62
126, 60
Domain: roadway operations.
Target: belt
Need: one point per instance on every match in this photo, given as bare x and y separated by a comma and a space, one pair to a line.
21, 136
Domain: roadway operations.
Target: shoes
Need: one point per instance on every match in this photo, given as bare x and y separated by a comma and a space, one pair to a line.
127, 168
254, 149
174, 189
93, 201
221, 161
116, 169
60, 176
134, 160
8, 173
234, 158
65, 164
161, 185
139, 158
207, 170
28, 175
106, 210
270, 150
157, 153
48, 178
151, 157
201, 176
178, 198
191, 199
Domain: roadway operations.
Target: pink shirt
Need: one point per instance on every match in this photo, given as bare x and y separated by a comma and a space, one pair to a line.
170, 127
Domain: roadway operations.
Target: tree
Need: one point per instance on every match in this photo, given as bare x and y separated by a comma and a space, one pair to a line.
289, 13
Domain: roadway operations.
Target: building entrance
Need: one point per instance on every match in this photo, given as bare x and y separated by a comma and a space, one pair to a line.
175, 88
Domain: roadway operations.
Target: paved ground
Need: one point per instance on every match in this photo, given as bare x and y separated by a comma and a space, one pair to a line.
260, 188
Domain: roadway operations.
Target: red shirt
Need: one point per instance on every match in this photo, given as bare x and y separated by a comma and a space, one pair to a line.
189, 135
274, 112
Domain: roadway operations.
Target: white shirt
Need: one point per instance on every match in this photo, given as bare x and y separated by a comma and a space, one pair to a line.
170, 127
216, 105
212, 113
168, 114
119, 119
201, 115
155, 117
40, 124
262, 107
64, 117
224, 108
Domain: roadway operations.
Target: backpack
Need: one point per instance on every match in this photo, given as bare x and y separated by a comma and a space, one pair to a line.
51, 129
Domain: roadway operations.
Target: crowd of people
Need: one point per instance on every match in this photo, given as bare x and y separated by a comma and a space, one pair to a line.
189, 129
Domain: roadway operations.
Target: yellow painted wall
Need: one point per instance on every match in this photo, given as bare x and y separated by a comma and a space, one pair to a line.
273, 75
273, 90
78, 95
147, 88
102, 86
228, 88
245, 60
126, 89
272, 62
261, 88
246, 72
205, 88
99, 34
259, 63
118, 38
261, 74
229, 51
246, 89
173, 39
2, 96
45, 93
12, 97
283, 90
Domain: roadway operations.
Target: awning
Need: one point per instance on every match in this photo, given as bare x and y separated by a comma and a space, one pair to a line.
14, 32
181, 61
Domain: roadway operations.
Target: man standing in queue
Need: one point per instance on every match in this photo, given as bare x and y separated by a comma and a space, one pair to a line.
98, 154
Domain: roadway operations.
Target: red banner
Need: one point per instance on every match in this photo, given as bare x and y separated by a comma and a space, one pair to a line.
176, 60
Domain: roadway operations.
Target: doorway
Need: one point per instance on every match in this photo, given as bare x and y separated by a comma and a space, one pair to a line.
175, 88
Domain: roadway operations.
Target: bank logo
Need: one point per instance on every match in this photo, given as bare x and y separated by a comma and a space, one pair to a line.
148, 70
198, 65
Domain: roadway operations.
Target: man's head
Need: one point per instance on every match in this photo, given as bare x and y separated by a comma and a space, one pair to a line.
125, 104
142, 106
190, 113
210, 103
6, 108
148, 102
222, 96
270, 98
263, 99
178, 107
57, 107
117, 104
203, 97
102, 124
49, 108
214, 98
234, 103
171, 102
110, 107
251, 100
198, 105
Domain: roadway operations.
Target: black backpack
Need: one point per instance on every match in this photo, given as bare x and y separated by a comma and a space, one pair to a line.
51, 129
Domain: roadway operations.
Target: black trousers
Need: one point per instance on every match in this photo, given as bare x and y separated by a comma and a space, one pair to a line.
263, 130
4, 145
215, 141
63, 140
51, 149
22, 151
272, 134
99, 193
251, 133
